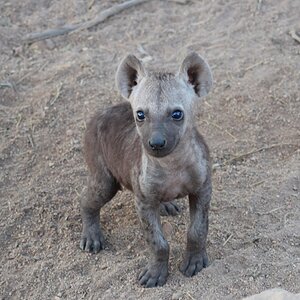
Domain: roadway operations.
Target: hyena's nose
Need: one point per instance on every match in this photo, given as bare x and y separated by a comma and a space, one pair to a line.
157, 142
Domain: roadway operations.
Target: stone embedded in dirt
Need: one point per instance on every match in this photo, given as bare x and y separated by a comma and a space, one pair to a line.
177, 296
167, 229
69, 132
274, 294
50, 44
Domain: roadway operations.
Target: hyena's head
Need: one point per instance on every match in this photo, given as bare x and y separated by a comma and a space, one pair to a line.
162, 103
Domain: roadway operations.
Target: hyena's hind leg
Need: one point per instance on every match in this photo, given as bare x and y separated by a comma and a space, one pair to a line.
102, 187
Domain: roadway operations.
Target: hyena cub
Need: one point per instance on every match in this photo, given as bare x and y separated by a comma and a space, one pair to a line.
150, 145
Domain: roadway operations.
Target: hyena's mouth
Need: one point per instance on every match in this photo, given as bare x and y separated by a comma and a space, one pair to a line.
160, 152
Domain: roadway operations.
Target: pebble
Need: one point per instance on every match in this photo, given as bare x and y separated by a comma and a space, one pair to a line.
177, 296
69, 132
50, 45
167, 229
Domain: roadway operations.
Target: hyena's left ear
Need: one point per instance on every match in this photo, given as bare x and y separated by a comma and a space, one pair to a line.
129, 72
196, 71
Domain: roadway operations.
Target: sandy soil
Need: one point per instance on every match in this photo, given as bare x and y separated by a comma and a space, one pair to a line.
250, 120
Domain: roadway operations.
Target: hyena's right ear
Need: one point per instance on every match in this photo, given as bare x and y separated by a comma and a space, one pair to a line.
129, 73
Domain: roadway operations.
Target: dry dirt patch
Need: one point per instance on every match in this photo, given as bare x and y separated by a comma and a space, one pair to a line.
250, 120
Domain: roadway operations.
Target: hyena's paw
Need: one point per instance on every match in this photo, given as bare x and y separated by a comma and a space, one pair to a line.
92, 240
193, 263
154, 275
169, 209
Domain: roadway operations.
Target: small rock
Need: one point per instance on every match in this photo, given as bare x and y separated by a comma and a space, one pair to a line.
50, 45
69, 132
167, 229
17, 51
177, 296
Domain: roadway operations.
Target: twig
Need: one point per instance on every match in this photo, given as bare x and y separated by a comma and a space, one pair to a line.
285, 218
39, 36
227, 240
181, 1
206, 103
295, 152
58, 90
50, 33
91, 3
271, 211
259, 4
295, 35
19, 120
108, 13
30, 73
30, 138
4, 85
77, 193
255, 65
220, 128
242, 156
190, 296
257, 183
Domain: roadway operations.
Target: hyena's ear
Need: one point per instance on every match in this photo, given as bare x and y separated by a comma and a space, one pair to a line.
129, 73
196, 71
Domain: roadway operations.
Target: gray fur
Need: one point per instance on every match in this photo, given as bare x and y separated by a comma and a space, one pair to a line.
119, 152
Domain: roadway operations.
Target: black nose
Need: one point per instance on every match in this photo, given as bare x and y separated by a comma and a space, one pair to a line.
157, 143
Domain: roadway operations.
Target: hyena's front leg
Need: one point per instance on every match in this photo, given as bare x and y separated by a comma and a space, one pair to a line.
195, 257
156, 271
101, 189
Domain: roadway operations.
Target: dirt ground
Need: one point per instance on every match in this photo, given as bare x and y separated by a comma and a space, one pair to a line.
251, 121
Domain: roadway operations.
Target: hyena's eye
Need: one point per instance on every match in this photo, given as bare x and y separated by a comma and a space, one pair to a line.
177, 115
140, 115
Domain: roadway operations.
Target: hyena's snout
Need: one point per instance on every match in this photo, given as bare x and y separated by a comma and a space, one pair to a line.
160, 143
157, 142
